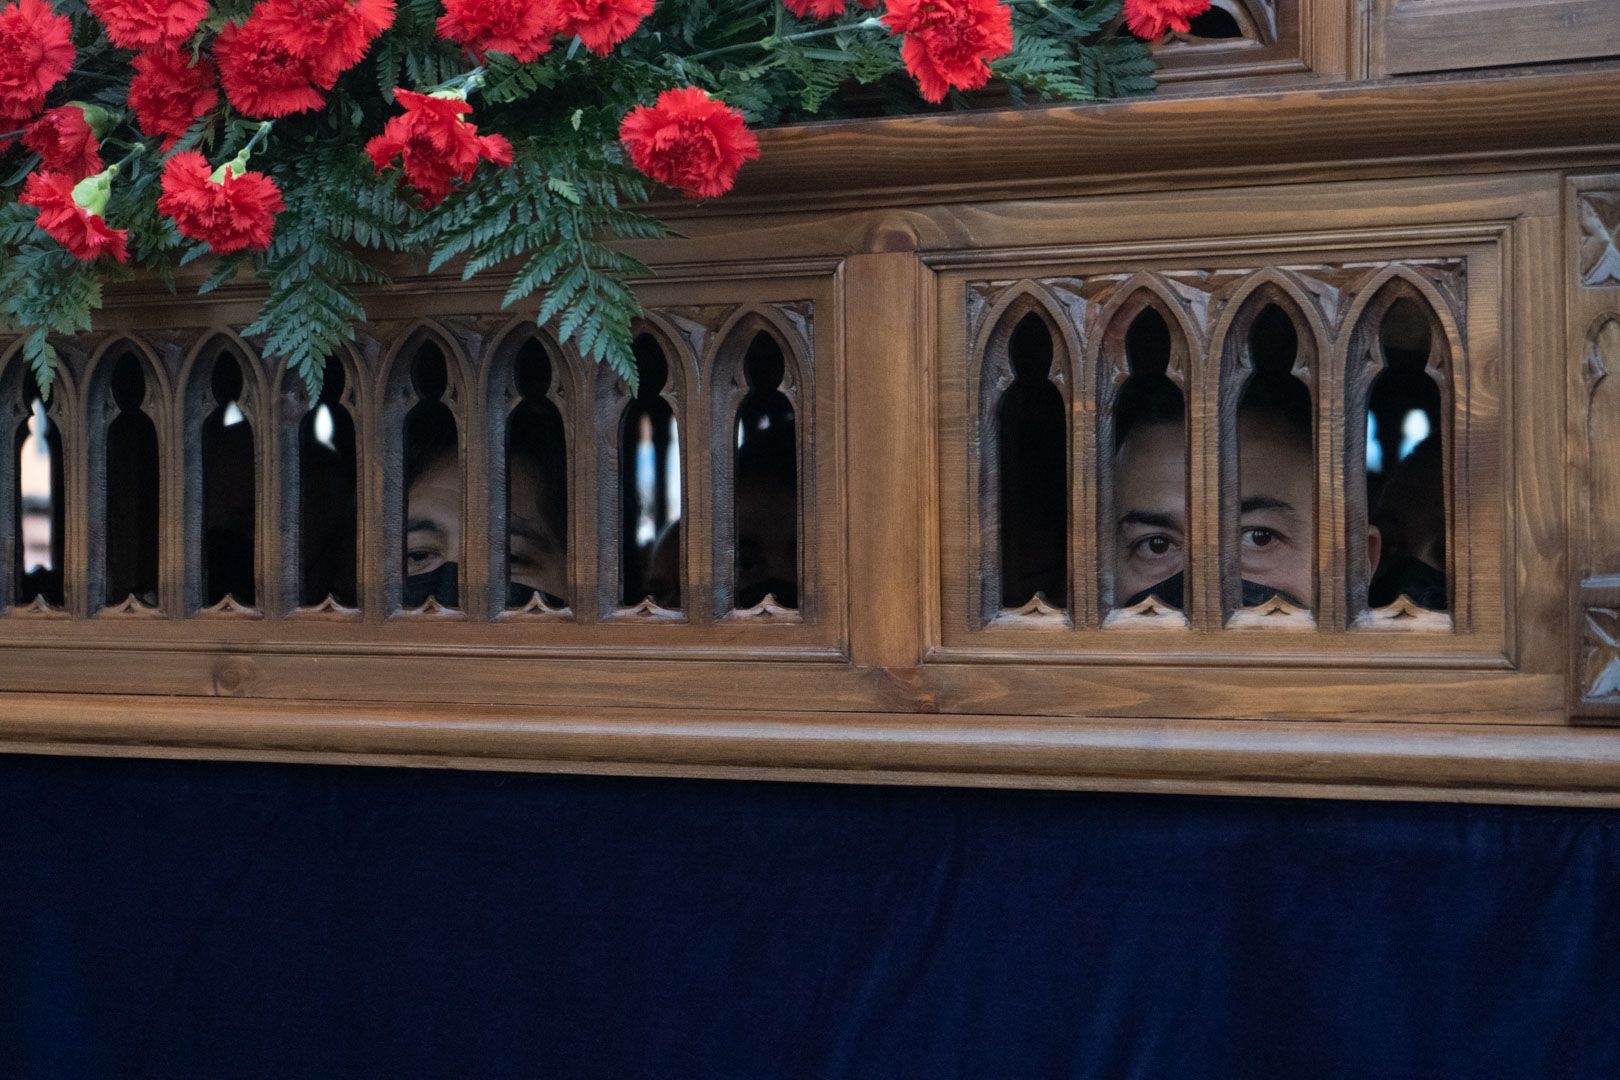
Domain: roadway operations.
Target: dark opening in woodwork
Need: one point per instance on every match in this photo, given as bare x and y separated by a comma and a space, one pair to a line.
433, 489
327, 494
1146, 486
1033, 473
767, 483
650, 487
1276, 443
1405, 465
1215, 24
229, 504
39, 507
133, 494
536, 488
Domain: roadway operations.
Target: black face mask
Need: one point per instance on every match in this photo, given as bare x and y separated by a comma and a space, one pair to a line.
1172, 593
443, 584
1413, 578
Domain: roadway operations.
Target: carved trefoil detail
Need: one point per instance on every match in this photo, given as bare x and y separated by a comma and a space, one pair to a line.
1600, 657
1600, 239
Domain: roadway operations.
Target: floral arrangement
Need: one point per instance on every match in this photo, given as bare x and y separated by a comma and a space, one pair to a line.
295, 139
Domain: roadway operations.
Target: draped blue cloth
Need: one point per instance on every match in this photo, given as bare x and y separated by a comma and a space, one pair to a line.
231, 921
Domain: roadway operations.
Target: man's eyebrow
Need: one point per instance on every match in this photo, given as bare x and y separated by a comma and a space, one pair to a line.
1254, 504
1144, 517
424, 525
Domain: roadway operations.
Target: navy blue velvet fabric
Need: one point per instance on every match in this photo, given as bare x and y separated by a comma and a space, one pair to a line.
230, 921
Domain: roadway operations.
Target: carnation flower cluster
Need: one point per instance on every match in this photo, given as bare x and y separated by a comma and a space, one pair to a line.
191, 82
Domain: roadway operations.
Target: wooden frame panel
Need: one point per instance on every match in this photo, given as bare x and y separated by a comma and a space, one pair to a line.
1224, 295
1416, 36
890, 680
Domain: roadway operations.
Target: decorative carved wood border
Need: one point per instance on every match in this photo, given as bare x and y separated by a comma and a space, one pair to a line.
1594, 442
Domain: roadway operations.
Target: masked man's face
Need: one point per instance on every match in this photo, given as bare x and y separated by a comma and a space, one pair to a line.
433, 529
1276, 482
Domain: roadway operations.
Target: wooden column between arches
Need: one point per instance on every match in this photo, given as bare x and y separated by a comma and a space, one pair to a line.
886, 355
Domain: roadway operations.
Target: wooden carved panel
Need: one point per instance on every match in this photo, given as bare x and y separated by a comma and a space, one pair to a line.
1599, 213
1207, 319
1594, 387
1599, 671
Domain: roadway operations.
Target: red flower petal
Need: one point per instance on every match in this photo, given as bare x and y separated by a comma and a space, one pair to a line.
262, 77
331, 35
602, 24
64, 142
522, 29
1152, 19
169, 92
235, 214
436, 147
85, 235
36, 52
144, 24
689, 141
950, 43
818, 9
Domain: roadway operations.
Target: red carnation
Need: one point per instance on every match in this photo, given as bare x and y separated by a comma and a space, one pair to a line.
71, 213
437, 147
36, 51
819, 9
601, 24
169, 92
143, 24
229, 209
949, 43
520, 28
332, 35
262, 76
689, 141
65, 142
1150, 19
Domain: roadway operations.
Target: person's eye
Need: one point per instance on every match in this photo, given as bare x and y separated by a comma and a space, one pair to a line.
1260, 537
419, 558
1155, 546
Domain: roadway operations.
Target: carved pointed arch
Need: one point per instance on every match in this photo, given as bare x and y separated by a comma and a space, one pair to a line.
1231, 344
288, 388
101, 410
197, 403
105, 357
1364, 361
1141, 291
1009, 308
1447, 357
394, 385
1264, 288
16, 391
397, 396
729, 387
1111, 362
1254, 23
992, 355
501, 395
611, 397
285, 544
195, 370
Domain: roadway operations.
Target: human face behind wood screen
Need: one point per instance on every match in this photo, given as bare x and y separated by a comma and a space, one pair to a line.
1276, 499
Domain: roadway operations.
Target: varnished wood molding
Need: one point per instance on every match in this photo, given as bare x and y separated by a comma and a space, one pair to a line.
1350, 760
949, 157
